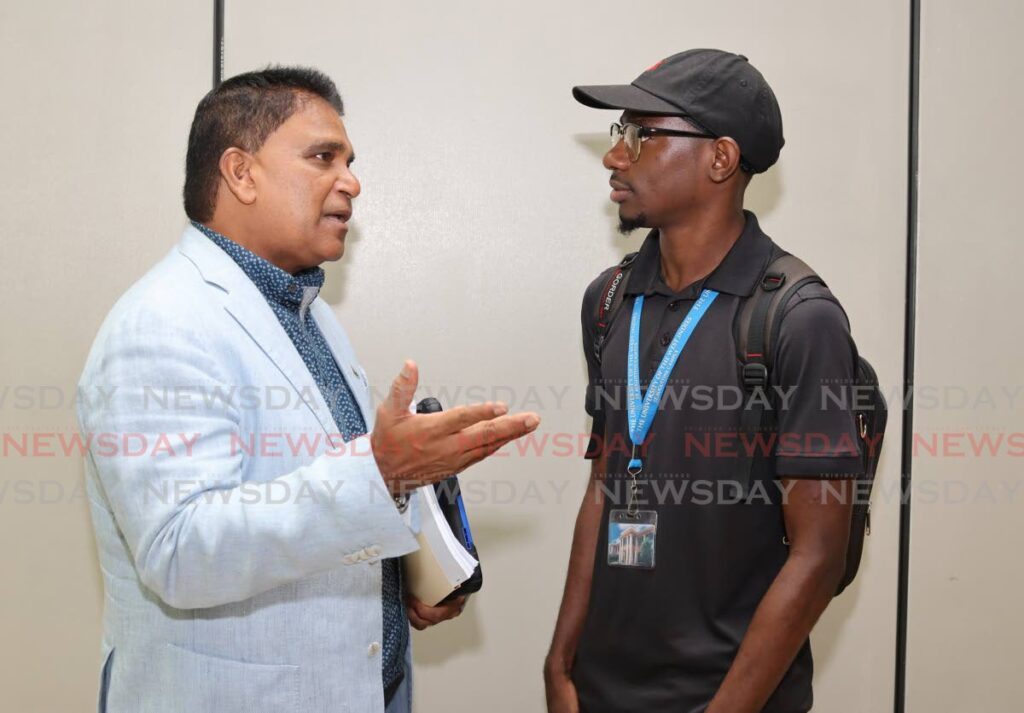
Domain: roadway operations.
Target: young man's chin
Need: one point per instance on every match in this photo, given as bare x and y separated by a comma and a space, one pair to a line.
627, 224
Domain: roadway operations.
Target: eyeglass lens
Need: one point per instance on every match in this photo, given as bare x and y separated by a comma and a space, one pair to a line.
630, 133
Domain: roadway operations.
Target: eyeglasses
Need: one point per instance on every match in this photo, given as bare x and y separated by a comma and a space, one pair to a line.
634, 135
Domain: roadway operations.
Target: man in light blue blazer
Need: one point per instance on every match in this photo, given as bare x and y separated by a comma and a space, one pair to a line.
249, 505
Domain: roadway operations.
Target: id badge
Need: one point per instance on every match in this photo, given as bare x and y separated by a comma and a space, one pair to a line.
631, 538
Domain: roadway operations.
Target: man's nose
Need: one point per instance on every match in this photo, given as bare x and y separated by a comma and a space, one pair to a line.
616, 159
348, 183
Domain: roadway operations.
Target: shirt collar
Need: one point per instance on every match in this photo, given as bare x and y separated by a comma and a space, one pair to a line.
276, 284
737, 274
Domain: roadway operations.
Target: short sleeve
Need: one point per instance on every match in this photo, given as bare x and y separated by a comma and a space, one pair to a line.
813, 375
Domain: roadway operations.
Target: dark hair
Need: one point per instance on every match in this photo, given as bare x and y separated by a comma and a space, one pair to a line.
243, 111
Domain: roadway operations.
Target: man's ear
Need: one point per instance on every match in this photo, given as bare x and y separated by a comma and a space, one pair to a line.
236, 172
726, 160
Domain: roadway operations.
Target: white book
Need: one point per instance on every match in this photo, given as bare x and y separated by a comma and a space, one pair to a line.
441, 563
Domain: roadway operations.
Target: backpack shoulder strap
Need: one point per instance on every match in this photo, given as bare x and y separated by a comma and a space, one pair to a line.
760, 314
609, 302
758, 323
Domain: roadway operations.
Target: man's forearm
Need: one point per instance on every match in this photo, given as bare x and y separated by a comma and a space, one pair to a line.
576, 596
781, 625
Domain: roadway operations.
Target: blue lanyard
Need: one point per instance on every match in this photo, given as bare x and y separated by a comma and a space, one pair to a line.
641, 414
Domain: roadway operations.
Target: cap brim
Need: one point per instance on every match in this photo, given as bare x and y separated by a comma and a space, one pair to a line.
623, 96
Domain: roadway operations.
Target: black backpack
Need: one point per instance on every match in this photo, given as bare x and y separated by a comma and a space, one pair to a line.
761, 314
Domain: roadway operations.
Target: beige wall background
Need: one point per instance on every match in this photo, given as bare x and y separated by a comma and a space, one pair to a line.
97, 100
966, 579
483, 217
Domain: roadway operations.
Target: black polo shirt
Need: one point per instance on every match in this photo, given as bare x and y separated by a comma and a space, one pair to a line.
663, 639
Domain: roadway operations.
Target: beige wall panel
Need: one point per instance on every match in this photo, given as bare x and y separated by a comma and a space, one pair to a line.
97, 102
968, 509
484, 215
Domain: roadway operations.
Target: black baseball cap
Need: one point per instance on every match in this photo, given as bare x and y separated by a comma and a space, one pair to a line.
719, 91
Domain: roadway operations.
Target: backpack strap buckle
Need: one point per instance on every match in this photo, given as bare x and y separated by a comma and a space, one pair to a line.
755, 375
772, 281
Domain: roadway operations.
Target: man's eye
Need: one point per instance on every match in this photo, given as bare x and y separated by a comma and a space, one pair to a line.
327, 156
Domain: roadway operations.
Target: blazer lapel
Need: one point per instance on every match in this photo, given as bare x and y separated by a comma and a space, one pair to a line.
246, 304
338, 343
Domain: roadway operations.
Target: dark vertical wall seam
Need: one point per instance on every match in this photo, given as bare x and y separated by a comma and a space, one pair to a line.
218, 42
906, 460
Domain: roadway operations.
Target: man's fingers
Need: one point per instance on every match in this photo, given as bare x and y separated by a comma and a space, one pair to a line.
476, 455
462, 417
484, 439
425, 615
403, 388
460, 603
504, 428
415, 610
416, 606
423, 448
418, 622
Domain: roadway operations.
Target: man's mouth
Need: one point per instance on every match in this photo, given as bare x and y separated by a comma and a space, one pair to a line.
342, 216
620, 191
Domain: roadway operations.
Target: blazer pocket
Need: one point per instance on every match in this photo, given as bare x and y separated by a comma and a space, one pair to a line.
203, 683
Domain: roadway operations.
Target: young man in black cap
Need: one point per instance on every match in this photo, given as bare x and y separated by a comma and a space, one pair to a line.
679, 596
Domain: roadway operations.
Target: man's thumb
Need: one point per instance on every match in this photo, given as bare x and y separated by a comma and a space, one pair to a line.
403, 388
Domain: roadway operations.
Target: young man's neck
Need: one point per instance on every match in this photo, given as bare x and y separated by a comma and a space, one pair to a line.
691, 251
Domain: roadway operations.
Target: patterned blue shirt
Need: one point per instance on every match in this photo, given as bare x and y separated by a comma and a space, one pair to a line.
290, 296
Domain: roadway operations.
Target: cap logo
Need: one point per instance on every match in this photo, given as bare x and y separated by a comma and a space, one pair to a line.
655, 65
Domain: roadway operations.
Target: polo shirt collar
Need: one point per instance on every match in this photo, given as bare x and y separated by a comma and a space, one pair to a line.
737, 274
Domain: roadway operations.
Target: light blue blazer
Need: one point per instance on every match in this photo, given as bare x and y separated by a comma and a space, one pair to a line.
222, 594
